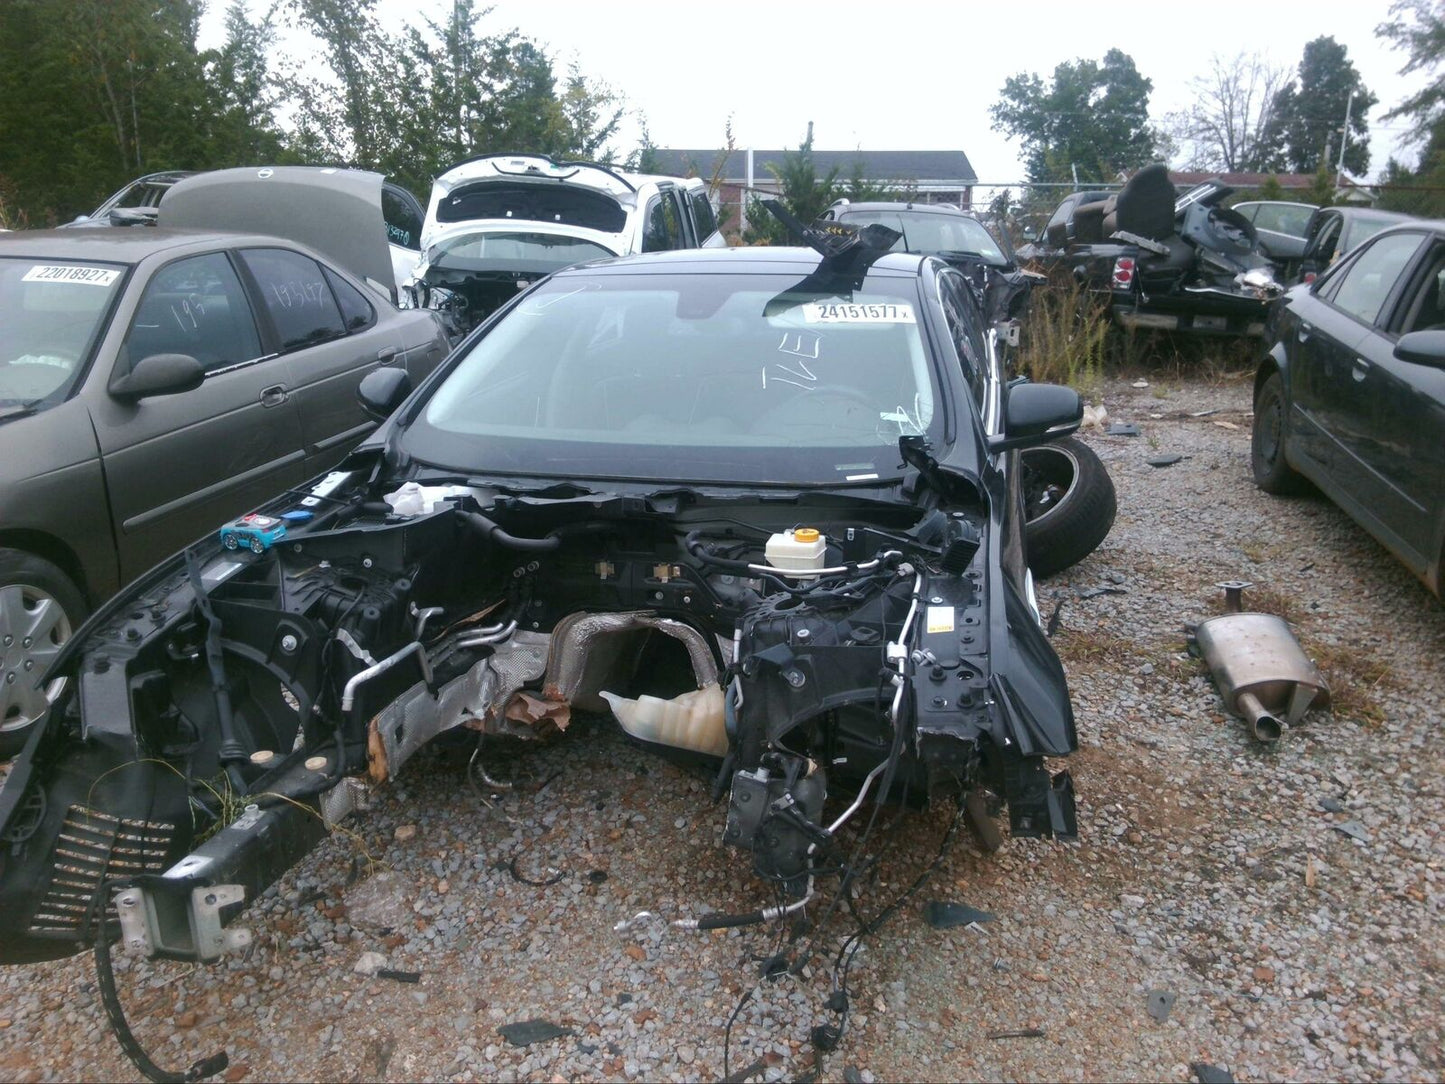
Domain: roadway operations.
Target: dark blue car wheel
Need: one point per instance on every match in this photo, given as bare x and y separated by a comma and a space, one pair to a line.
1272, 472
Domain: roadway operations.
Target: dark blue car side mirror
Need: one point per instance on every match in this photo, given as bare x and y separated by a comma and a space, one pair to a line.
1036, 414
382, 390
1422, 348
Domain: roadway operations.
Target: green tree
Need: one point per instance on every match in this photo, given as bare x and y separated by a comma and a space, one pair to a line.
1418, 28
94, 92
1091, 117
800, 189
1309, 113
1271, 189
243, 127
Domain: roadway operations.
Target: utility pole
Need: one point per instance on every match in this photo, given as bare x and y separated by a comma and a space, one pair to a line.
1344, 142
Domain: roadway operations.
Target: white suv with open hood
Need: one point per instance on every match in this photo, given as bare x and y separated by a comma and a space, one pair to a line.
499, 222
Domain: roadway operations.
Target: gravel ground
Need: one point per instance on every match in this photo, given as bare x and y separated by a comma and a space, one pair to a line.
1209, 869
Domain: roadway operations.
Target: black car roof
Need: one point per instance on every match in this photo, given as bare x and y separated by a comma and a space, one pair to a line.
115, 244
760, 259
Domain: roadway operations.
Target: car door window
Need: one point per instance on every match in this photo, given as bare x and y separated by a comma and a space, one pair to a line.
1372, 275
963, 328
195, 306
683, 216
661, 232
702, 214
403, 217
356, 311
1426, 311
1323, 246
296, 297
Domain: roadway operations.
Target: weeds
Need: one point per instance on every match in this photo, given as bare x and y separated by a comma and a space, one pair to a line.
1064, 337
1353, 677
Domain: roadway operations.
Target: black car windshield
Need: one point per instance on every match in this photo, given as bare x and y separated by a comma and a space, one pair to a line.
50, 313
501, 251
928, 232
758, 378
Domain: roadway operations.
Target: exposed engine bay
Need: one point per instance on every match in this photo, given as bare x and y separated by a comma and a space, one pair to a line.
816, 653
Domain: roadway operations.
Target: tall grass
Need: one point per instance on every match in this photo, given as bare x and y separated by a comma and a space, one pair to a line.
1064, 338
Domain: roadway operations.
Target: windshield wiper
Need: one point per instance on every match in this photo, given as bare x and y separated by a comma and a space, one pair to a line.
21, 409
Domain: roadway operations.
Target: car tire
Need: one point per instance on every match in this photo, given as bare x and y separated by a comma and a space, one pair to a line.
39, 603
1069, 504
1272, 472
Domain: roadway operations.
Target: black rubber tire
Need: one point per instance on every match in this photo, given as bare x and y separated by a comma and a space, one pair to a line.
1272, 472
1078, 518
18, 568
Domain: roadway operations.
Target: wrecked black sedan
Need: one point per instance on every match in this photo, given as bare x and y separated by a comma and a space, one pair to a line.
761, 505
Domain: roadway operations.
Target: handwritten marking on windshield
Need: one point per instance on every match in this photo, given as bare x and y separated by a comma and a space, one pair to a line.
795, 343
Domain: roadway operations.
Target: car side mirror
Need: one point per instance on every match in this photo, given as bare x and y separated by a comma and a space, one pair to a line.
382, 390
159, 374
1422, 348
1036, 414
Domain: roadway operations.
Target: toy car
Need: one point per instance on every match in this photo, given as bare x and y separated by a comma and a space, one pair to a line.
253, 530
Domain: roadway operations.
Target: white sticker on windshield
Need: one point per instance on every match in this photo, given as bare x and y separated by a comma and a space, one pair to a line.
847, 312
69, 272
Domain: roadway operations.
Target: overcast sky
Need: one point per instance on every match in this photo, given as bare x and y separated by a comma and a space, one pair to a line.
916, 76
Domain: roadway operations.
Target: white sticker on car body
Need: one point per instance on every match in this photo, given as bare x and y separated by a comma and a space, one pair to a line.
868, 312
69, 272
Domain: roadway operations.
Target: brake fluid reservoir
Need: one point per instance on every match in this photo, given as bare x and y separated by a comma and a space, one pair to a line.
798, 550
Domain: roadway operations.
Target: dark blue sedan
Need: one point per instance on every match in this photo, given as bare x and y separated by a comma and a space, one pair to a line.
1352, 394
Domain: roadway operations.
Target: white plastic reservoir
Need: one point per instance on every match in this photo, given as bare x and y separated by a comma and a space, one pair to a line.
798, 550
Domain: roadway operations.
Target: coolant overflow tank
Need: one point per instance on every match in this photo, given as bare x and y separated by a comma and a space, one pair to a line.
798, 550
1261, 671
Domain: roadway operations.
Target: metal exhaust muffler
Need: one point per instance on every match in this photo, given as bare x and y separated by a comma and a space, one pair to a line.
1259, 667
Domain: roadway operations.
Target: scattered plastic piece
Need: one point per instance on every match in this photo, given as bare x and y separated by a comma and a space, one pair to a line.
1211, 1074
945, 916
1159, 1002
399, 976
1226, 425
1205, 413
1141, 384
297, 515
1353, 829
1021, 1033
1332, 805
1123, 429
1095, 592
527, 1032
1164, 460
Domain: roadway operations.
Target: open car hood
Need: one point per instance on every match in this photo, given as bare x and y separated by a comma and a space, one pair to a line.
337, 212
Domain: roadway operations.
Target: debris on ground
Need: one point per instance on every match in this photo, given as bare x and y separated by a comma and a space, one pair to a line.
1164, 460
1123, 429
1159, 1002
1021, 1033
1211, 1074
527, 1032
945, 916
1353, 829
412, 977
